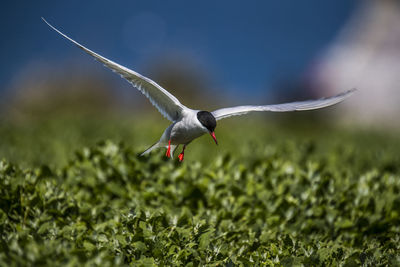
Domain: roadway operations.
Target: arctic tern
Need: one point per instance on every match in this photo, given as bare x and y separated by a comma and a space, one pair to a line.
188, 124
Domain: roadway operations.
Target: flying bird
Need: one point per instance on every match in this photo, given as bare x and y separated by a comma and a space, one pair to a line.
189, 124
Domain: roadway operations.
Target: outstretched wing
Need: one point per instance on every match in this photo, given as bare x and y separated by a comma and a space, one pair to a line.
167, 104
294, 106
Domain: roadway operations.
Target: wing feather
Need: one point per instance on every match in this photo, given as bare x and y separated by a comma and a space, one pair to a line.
167, 104
294, 106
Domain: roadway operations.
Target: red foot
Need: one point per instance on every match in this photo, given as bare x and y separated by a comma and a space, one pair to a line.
182, 154
168, 154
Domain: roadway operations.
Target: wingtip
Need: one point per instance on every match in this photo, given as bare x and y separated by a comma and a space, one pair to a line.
51, 26
45, 21
347, 93
352, 90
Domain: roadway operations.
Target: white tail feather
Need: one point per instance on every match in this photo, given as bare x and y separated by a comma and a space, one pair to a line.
147, 151
157, 145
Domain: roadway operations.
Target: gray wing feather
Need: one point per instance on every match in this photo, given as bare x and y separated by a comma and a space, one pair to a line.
167, 104
294, 106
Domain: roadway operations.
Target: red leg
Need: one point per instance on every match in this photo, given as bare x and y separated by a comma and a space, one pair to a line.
182, 154
168, 154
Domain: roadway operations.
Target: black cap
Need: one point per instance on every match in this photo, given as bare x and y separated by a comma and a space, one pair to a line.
207, 120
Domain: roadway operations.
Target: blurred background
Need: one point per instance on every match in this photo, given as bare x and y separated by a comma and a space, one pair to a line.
54, 98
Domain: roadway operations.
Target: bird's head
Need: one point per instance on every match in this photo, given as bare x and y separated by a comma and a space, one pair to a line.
209, 122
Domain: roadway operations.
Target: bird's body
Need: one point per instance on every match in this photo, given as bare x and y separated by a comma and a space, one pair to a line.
186, 129
181, 132
188, 124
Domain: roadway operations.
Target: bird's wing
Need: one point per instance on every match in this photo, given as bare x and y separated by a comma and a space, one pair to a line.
167, 104
294, 106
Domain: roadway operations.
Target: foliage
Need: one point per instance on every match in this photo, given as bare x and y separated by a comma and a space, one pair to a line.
290, 202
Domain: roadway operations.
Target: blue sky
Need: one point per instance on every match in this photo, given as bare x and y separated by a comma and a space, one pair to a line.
247, 46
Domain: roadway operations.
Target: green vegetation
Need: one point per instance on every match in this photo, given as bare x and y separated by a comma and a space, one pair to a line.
273, 195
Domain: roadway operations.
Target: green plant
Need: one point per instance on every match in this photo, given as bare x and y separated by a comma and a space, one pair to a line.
289, 202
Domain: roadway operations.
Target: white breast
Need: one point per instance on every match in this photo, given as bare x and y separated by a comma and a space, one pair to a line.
187, 129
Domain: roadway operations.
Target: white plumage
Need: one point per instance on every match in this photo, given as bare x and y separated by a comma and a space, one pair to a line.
293, 106
188, 124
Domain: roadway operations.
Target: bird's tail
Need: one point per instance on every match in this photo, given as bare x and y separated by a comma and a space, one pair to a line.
147, 151
157, 145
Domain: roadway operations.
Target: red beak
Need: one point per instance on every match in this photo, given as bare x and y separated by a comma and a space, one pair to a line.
213, 136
